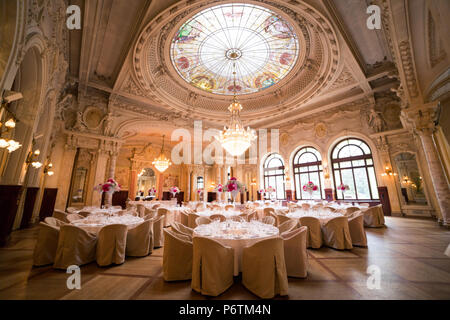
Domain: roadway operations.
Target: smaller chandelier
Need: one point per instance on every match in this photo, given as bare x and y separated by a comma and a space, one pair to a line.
236, 139
161, 163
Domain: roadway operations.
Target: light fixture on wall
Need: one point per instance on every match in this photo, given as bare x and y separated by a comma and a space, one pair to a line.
236, 139
388, 172
48, 169
9, 144
161, 163
32, 159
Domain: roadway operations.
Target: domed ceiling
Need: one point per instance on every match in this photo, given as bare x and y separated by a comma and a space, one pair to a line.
283, 54
234, 48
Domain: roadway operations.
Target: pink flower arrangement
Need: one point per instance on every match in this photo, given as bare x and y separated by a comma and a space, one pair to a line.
310, 187
234, 185
343, 187
109, 186
262, 191
271, 189
199, 191
174, 190
152, 191
219, 188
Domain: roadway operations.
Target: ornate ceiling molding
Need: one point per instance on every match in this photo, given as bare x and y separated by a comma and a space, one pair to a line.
157, 79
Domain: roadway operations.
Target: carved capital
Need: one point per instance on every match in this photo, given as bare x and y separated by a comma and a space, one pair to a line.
421, 119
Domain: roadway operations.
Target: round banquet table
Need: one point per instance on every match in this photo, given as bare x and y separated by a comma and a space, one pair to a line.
227, 213
98, 211
323, 215
95, 223
237, 235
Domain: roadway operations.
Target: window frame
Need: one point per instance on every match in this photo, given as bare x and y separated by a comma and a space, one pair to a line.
365, 156
318, 163
282, 175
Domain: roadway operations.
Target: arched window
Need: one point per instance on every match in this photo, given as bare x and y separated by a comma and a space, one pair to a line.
353, 166
308, 167
274, 174
200, 183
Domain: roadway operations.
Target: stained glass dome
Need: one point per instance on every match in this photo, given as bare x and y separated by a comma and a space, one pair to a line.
253, 41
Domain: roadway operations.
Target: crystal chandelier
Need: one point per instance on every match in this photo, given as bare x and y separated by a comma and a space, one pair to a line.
161, 163
236, 139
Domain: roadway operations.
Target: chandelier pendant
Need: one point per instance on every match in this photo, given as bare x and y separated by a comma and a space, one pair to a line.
161, 163
236, 139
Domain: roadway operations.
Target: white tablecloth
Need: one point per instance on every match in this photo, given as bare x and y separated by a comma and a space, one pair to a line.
98, 211
237, 235
323, 215
95, 223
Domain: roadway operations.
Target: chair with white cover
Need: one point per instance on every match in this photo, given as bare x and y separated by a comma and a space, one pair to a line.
54, 222
229, 207
212, 267
374, 217
140, 209
60, 215
158, 235
202, 220
356, 228
46, 245
184, 217
295, 254
220, 217
71, 209
314, 238
264, 268
350, 210
268, 212
288, 226
175, 227
282, 219
75, 247
111, 244
336, 234
177, 257
140, 240
269, 220
184, 229
191, 220
74, 217
253, 216
150, 212
306, 206
244, 216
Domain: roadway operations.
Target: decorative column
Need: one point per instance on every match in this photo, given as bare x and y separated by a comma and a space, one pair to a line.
63, 170
422, 120
99, 176
111, 173
132, 180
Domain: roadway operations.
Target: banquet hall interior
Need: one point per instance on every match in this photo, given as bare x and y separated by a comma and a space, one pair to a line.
236, 149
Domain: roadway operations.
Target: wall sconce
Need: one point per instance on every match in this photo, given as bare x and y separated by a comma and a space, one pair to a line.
388, 172
10, 124
326, 172
32, 159
406, 180
10, 145
48, 169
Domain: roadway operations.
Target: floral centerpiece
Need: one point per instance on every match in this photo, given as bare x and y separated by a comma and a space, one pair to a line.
199, 193
109, 187
310, 187
234, 187
343, 187
271, 190
219, 188
174, 191
152, 191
